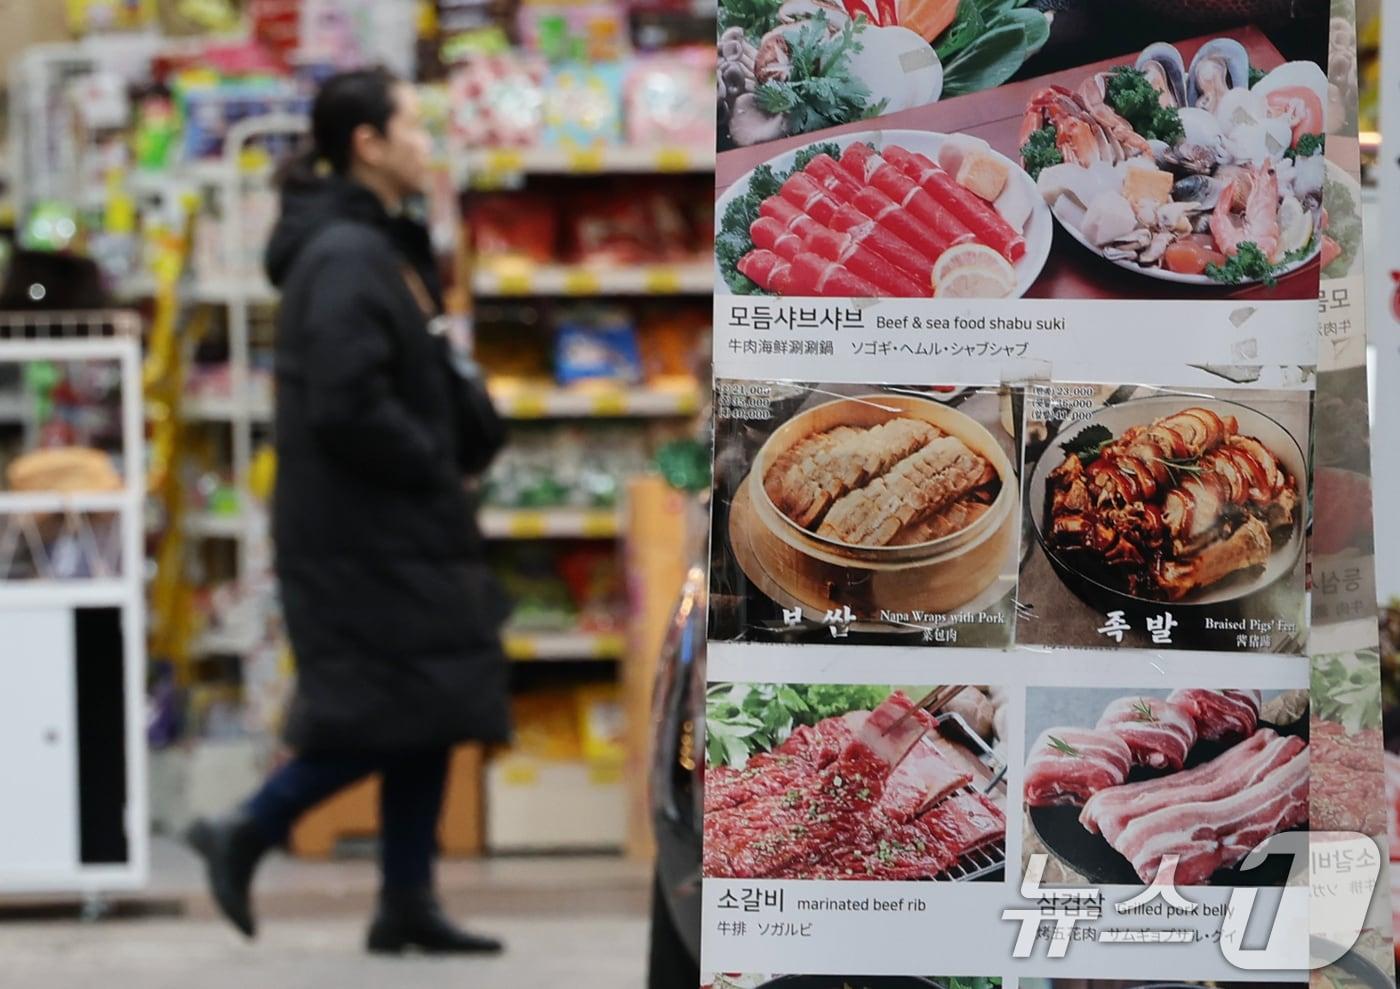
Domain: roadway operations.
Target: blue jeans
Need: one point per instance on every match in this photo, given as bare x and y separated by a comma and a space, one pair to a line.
410, 802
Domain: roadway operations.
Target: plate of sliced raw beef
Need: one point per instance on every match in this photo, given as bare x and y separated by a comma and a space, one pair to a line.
1196, 775
895, 213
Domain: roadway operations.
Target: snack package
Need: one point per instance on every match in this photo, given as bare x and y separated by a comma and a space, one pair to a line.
669, 99
597, 345
497, 101
583, 106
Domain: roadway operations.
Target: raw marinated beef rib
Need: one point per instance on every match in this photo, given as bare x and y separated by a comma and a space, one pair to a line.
868, 795
1110, 811
1392, 807
917, 487
807, 478
1215, 834
1349, 779
920, 781
1220, 715
798, 827
1069, 765
965, 823
1159, 733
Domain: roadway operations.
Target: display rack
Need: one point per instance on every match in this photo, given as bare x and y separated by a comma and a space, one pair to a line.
72, 676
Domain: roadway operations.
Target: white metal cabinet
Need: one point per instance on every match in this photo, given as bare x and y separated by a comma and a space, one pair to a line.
39, 771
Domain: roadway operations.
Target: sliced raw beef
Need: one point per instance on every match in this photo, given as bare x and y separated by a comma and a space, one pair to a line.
977, 215
851, 254
944, 227
771, 234
813, 274
1159, 733
802, 191
920, 781
1069, 765
884, 242
881, 849
832, 177
1220, 715
766, 270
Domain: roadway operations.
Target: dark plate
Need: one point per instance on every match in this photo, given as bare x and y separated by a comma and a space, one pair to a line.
1100, 863
1356, 966
854, 981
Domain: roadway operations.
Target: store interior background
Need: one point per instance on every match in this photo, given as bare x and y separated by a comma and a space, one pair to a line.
573, 208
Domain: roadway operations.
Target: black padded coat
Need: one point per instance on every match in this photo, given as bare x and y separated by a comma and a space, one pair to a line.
392, 612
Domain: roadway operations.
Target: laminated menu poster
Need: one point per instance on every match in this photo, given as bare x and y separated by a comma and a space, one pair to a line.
1039, 644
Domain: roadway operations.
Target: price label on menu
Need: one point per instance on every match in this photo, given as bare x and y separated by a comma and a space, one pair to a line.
1021, 388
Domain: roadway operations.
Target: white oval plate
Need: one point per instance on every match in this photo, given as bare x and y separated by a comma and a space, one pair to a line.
1039, 232
1162, 274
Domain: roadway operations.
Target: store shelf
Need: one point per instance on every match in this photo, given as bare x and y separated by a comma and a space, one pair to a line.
15, 407
498, 279
564, 646
12, 502
224, 291
549, 523
493, 167
205, 525
225, 642
225, 408
526, 401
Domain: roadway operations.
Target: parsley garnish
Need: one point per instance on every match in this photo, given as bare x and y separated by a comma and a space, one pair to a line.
1040, 150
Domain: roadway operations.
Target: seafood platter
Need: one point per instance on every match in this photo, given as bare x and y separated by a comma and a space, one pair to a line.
1170, 499
879, 502
901, 213
1204, 172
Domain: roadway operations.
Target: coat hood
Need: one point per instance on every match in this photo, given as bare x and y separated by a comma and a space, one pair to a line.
307, 208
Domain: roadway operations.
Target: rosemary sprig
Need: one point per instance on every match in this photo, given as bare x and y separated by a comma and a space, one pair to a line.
1142, 708
1063, 747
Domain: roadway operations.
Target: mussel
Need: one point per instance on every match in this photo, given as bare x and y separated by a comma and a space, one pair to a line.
1199, 189
1222, 64
1166, 71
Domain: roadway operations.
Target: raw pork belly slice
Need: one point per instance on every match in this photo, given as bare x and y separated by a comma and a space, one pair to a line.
1110, 812
1215, 834
1069, 765
1220, 715
1159, 733
980, 217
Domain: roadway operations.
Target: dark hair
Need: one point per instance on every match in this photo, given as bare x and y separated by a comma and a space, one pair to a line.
345, 101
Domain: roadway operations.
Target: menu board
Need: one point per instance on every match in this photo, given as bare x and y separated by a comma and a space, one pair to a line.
1041, 563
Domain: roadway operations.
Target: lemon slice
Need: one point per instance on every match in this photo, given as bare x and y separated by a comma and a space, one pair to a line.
974, 283
976, 257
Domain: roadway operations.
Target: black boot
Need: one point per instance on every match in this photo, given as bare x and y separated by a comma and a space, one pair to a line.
231, 847
409, 919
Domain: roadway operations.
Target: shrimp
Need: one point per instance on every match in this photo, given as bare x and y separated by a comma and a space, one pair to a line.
1078, 136
1261, 222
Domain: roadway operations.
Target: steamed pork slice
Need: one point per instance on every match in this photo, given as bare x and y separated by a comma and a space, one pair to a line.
1159, 733
806, 480
915, 488
1069, 765
955, 518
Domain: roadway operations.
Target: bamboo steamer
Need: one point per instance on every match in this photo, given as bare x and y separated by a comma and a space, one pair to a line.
938, 576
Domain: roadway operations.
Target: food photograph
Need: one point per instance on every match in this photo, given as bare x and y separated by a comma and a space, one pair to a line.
1349, 771
1165, 520
731, 980
1117, 781
855, 782
1191, 166
863, 513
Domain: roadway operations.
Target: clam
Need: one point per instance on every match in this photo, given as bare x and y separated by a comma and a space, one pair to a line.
1221, 65
1166, 70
